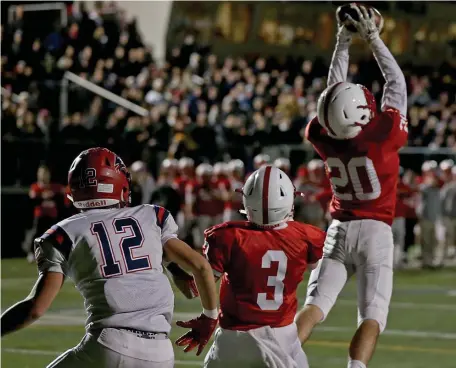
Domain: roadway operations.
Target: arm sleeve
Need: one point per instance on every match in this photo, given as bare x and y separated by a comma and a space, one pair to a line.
395, 90
339, 64
217, 251
315, 243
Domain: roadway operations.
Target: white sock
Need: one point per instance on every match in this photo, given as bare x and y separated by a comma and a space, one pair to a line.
356, 364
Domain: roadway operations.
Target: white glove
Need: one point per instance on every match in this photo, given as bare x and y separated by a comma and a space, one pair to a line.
344, 36
366, 26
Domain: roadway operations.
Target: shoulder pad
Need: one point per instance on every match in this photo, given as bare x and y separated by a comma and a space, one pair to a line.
161, 214
227, 225
58, 238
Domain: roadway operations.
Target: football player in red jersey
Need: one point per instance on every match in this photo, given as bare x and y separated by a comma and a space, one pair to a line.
236, 173
168, 171
223, 188
360, 148
204, 200
261, 263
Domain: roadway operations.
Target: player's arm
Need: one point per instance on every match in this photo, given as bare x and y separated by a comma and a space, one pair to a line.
51, 277
180, 253
339, 62
202, 327
395, 90
183, 255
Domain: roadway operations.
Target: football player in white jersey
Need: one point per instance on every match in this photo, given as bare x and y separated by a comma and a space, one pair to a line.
114, 256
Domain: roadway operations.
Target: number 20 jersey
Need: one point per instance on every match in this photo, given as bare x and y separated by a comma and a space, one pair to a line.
363, 170
261, 270
114, 257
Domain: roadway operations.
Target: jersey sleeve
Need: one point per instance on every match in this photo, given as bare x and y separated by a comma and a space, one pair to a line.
217, 248
339, 63
395, 90
313, 135
393, 127
52, 250
166, 223
315, 242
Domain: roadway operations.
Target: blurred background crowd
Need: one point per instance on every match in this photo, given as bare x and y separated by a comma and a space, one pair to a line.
205, 121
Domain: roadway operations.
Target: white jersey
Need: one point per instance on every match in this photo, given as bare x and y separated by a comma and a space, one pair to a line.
114, 257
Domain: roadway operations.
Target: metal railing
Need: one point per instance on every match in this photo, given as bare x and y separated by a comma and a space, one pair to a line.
92, 87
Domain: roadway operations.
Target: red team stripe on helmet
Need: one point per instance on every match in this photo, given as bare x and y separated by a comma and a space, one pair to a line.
267, 176
326, 107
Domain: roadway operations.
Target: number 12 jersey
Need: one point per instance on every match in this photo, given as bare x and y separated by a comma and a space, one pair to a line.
363, 171
114, 257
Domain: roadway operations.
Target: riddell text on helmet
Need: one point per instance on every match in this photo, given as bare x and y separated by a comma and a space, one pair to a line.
90, 204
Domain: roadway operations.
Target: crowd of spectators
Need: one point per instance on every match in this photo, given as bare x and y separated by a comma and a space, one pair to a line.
200, 108
199, 105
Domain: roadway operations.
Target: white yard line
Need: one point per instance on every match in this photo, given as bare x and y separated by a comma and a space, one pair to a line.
409, 333
52, 319
56, 353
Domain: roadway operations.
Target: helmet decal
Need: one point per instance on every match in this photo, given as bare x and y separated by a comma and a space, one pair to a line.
267, 177
326, 107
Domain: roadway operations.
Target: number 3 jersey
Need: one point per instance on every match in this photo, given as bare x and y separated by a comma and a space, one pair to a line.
114, 257
364, 170
261, 270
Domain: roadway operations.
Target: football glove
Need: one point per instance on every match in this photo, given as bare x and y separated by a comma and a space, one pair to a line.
344, 36
202, 329
366, 26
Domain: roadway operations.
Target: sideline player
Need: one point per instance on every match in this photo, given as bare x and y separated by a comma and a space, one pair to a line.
261, 263
114, 255
360, 148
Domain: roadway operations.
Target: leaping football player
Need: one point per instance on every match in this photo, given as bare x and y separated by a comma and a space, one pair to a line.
261, 263
360, 148
113, 253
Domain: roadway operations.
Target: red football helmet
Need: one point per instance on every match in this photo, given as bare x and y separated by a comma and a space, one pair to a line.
98, 178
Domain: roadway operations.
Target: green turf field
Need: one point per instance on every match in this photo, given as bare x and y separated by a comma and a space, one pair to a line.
421, 330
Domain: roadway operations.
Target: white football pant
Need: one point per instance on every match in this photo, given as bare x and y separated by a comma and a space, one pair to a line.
258, 348
364, 247
114, 348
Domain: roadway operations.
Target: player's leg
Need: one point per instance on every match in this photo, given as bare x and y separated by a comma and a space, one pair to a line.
247, 352
86, 354
326, 281
398, 229
374, 273
428, 242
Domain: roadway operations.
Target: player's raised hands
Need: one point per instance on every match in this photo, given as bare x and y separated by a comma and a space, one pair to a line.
344, 36
366, 25
202, 329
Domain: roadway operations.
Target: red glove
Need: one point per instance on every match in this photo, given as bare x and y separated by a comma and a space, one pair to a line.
202, 329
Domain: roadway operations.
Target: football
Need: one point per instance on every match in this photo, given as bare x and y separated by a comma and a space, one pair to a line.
343, 10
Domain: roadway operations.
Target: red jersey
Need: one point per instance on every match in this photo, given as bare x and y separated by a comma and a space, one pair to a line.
206, 199
403, 208
364, 170
236, 198
45, 196
261, 270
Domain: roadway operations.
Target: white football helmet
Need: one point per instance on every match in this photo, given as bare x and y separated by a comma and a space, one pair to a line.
204, 170
446, 165
236, 166
283, 164
428, 166
344, 109
220, 168
268, 196
260, 160
169, 163
186, 162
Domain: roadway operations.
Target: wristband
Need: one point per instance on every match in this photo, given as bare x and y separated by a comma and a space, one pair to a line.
211, 313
